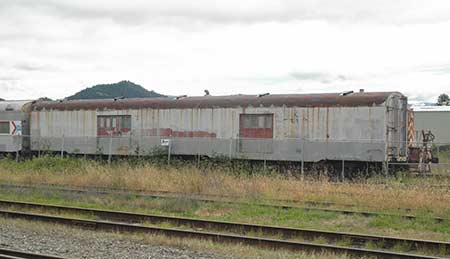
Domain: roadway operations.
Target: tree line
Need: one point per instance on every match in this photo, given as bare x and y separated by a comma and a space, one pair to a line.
443, 99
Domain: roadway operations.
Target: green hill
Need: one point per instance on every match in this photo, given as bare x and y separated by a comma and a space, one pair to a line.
124, 89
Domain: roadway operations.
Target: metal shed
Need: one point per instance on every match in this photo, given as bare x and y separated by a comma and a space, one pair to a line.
434, 118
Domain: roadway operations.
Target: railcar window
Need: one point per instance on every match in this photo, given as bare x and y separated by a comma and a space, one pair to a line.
4, 127
255, 126
126, 122
115, 125
101, 122
256, 121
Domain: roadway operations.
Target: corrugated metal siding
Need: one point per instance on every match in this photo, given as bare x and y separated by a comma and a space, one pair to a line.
436, 121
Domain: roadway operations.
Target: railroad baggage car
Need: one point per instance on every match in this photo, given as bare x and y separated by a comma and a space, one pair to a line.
360, 126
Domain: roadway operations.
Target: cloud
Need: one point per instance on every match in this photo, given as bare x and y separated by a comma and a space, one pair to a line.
30, 67
437, 70
57, 47
324, 78
234, 11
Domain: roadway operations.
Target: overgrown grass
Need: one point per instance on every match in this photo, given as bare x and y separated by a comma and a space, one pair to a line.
381, 194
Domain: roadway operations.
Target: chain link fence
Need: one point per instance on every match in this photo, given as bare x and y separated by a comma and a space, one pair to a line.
292, 150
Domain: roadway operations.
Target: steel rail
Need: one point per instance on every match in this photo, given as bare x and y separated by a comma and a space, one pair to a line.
236, 227
15, 254
202, 198
212, 236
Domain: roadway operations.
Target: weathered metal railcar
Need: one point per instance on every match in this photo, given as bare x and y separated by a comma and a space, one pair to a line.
362, 126
14, 122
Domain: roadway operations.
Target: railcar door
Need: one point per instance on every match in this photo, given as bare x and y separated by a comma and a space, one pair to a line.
396, 127
256, 133
113, 132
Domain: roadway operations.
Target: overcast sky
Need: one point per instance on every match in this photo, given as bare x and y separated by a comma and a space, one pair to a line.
55, 48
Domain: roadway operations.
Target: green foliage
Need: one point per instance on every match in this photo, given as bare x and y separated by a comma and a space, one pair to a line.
45, 98
443, 99
124, 89
47, 163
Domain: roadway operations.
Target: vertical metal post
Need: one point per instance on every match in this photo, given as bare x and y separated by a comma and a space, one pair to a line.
169, 151
367, 169
386, 168
62, 146
39, 146
437, 151
303, 160
86, 140
265, 162
198, 160
110, 148
343, 170
230, 147
17, 155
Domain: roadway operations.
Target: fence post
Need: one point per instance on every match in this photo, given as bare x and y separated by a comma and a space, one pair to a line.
17, 155
110, 149
386, 168
230, 147
343, 170
39, 146
169, 151
62, 146
303, 160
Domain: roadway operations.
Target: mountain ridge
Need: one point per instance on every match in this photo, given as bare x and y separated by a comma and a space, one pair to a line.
122, 89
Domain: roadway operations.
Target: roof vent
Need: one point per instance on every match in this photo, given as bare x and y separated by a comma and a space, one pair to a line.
180, 97
346, 93
262, 95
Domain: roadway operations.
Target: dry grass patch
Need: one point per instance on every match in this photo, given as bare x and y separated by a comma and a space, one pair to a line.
390, 195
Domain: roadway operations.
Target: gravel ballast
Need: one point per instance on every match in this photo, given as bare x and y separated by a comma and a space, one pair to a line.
78, 243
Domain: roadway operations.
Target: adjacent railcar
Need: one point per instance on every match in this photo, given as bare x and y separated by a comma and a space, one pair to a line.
14, 123
362, 126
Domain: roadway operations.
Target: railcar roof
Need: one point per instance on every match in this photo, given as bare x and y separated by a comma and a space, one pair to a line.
13, 105
279, 100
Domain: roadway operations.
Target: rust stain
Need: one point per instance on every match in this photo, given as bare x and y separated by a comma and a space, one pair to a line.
168, 132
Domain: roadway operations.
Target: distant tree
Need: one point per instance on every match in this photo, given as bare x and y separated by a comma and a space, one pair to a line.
443, 99
44, 99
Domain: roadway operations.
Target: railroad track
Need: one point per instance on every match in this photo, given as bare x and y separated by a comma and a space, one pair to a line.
215, 198
229, 231
14, 254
